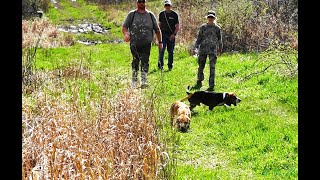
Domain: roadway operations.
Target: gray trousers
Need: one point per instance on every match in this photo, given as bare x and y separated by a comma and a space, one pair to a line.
202, 63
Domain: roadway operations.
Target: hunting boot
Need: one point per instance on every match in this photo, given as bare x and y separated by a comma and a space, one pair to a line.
134, 78
144, 82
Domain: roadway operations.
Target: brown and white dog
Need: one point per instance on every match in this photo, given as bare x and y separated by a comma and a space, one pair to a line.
211, 99
182, 112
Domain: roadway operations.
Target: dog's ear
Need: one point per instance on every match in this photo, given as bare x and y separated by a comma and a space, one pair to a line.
188, 90
227, 99
232, 94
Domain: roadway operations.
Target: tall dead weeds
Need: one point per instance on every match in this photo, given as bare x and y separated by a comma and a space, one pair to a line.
115, 139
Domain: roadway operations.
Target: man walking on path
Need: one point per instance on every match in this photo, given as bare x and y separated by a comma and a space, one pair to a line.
169, 25
208, 43
138, 28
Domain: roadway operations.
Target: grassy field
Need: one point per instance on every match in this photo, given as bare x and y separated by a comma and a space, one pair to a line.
258, 139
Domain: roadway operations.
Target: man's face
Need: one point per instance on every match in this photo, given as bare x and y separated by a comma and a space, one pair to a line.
211, 19
167, 6
141, 4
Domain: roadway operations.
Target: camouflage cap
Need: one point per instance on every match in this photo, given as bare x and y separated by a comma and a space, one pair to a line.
211, 14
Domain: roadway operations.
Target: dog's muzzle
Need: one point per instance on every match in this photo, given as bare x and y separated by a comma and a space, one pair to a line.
183, 126
237, 101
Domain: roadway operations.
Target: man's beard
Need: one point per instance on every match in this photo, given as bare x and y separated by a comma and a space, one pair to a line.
141, 7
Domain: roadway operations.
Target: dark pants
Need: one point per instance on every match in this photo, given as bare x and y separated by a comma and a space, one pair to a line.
167, 43
140, 54
202, 63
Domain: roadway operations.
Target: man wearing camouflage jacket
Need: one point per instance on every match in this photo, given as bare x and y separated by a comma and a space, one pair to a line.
208, 43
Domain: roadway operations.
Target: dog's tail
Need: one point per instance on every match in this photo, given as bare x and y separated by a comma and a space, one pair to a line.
189, 94
188, 90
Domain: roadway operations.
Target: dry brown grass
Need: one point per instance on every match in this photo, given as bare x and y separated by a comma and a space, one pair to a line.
106, 139
32, 81
42, 29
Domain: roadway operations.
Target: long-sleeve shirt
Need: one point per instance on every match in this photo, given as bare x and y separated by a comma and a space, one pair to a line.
209, 39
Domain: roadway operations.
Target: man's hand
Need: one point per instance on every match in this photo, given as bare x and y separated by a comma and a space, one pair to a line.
193, 52
126, 37
220, 52
160, 45
172, 37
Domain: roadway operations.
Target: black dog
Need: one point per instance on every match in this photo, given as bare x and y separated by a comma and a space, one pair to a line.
211, 99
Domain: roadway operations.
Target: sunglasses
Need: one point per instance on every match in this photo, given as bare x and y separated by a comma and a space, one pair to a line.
141, 1
167, 5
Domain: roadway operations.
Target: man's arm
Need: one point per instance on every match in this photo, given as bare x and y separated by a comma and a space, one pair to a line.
199, 38
159, 37
220, 45
126, 34
177, 28
197, 42
177, 25
126, 24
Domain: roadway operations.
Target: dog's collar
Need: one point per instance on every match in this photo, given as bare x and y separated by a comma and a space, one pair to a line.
224, 95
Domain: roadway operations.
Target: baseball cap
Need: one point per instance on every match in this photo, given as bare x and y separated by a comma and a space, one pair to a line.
211, 14
167, 2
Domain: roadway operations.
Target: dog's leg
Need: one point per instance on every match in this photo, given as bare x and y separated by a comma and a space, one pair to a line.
192, 106
191, 109
211, 108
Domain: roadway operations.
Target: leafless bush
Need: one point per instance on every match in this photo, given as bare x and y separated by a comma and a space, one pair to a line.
30, 8
253, 25
281, 59
191, 17
247, 25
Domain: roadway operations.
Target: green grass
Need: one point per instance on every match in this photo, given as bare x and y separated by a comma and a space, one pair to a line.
69, 14
257, 139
